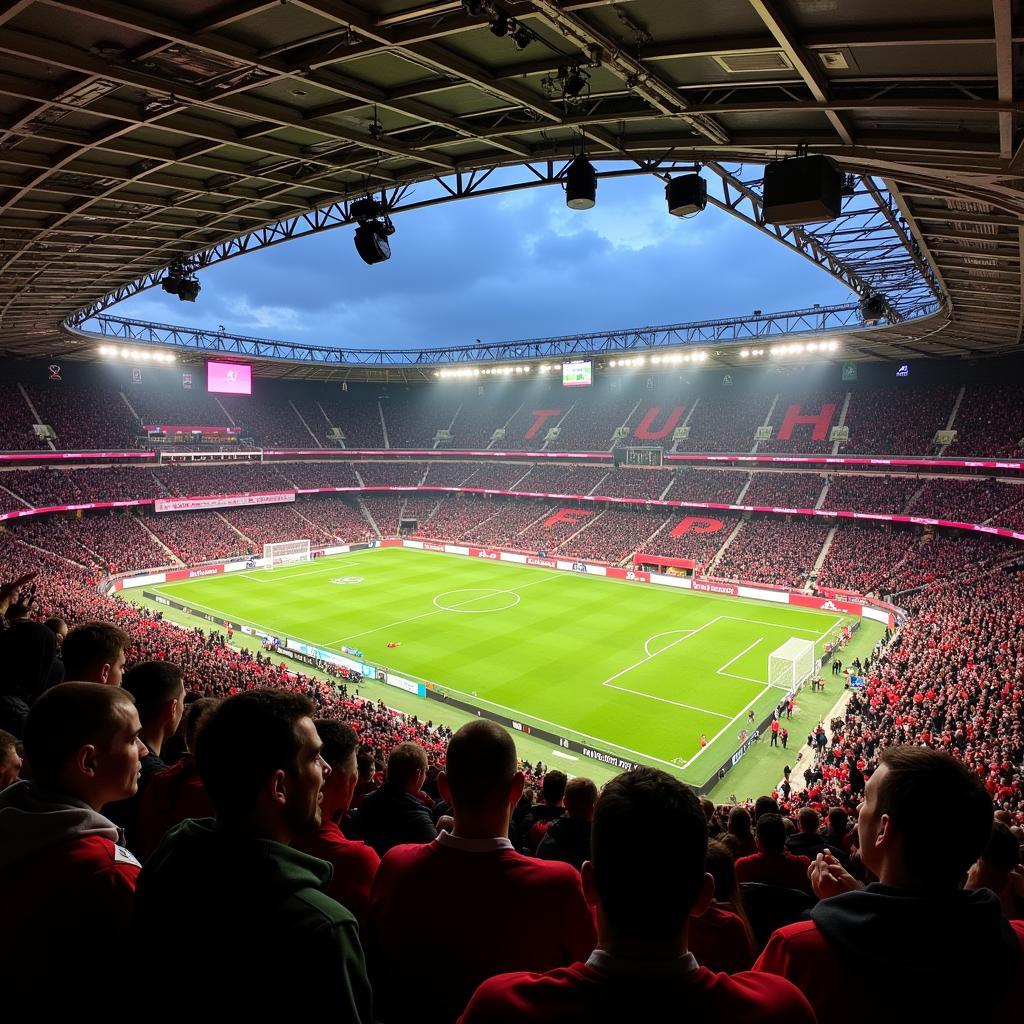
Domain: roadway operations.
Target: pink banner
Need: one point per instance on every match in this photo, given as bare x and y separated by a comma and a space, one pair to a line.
64, 456
18, 513
222, 501
826, 604
202, 430
191, 574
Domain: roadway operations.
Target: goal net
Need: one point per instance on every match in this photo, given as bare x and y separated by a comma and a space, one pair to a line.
285, 553
792, 664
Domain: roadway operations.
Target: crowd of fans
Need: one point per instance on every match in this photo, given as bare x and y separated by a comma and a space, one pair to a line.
16, 421
725, 424
801, 435
198, 536
592, 419
966, 501
384, 511
269, 524
357, 416
772, 551
390, 474
635, 482
900, 420
84, 415
866, 558
862, 492
784, 490
563, 479
448, 474
614, 535
307, 475
48, 486
721, 486
990, 421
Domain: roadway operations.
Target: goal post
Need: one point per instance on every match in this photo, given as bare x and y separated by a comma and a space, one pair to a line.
285, 553
791, 665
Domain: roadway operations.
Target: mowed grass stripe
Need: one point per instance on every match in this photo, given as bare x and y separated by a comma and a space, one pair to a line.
546, 656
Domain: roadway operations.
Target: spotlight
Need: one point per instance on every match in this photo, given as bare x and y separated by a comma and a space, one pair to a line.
474, 8
580, 184
375, 227
574, 82
499, 25
189, 290
686, 195
522, 37
872, 309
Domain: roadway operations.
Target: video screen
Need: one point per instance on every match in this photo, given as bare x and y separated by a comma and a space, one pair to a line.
228, 378
578, 374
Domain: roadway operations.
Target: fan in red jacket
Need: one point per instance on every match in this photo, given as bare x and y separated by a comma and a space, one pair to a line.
448, 914
66, 886
914, 943
646, 878
354, 863
773, 864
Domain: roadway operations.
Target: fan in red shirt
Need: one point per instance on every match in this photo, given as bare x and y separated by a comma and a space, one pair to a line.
354, 863
66, 887
646, 879
448, 914
773, 864
915, 942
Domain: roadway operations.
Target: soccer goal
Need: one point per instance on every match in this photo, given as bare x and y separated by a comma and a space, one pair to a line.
285, 553
792, 664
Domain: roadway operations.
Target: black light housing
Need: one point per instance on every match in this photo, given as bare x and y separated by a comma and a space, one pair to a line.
189, 289
574, 82
372, 242
522, 37
499, 25
872, 309
686, 195
580, 184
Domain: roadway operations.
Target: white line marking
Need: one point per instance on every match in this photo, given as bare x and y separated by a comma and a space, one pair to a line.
751, 679
667, 647
668, 632
740, 655
563, 754
838, 622
727, 725
665, 700
773, 625
336, 567
435, 611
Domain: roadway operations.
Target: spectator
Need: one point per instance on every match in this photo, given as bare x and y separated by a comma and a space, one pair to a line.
10, 760
354, 863
646, 880
65, 885
159, 694
94, 652
838, 832
28, 666
230, 890
998, 869
739, 837
541, 815
58, 627
772, 864
869, 953
808, 842
503, 911
721, 938
568, 837
177, 793
394, 813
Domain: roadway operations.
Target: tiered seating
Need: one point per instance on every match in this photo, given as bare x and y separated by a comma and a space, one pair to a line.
505, 524
338, 518
635, 483
866, 558
593, 419
548, 479
385, 512
391, 474
271, 421
898, 420
990, 421
232, 478
317, 474
699, 536
800, 436
85, 416
967, 501
197, 536
355, 414
772, 551
616, 534
448, 474
16, 421
726, 423
864, 493
498, 476
784, 490
722, 486
268, 524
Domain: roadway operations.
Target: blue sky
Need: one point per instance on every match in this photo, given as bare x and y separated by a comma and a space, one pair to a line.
520, 265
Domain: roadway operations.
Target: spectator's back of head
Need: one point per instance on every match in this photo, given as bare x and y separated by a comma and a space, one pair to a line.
765, 805
340, 741
912, 790
739, 821
406, 763
838, 820
94, 652
553, 787
193, 716
82, 738
721, 865
481, 769
58, 627
771, 834
580, 798
649, 846
243, 742
28, 665
808, 819
1002, 851
155, 685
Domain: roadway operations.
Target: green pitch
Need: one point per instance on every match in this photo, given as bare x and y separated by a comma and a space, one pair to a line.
636, 670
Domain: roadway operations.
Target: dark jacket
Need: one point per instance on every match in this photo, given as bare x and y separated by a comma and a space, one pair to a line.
568, 840
390, 816
28, 666
254, 911
810, 844
123, 813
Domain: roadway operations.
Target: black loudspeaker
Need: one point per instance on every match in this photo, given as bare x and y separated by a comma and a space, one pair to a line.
686, 195
805, 190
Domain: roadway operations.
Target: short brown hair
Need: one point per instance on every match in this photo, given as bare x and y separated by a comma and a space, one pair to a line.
580, 797
921, 789
67, 717
406, 761
90, 646
480, 765
153, 684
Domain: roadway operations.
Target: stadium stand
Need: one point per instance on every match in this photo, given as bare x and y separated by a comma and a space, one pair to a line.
784, 490
769, 551
898, 420
990, 421
870, 493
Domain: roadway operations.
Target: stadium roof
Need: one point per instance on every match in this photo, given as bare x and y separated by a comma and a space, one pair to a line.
135, 134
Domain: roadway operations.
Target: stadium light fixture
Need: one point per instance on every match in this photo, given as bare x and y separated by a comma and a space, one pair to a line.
686, 195
872, 309
374, 230
744, 353
580, 184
